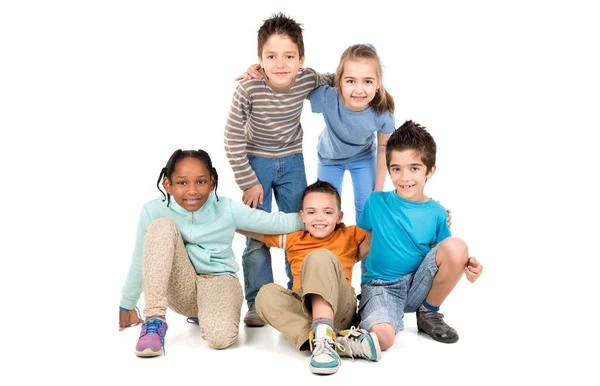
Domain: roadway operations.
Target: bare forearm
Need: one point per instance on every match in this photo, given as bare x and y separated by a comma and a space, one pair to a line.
252, 235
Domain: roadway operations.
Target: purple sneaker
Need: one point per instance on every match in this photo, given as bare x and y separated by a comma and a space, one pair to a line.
152, 338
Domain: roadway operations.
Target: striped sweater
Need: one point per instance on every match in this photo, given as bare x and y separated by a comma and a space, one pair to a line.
264, 121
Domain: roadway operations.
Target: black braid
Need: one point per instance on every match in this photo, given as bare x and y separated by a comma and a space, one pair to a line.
178, 155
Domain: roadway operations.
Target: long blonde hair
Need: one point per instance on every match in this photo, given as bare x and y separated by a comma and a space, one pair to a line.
382, 101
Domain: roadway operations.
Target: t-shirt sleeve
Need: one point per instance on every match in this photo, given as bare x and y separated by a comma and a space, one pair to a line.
359, 234
273, 240
316, 99
389, 124
442, 231
282, 241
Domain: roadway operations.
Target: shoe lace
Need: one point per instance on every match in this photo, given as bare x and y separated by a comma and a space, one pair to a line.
154, 326
350, 342
326, 345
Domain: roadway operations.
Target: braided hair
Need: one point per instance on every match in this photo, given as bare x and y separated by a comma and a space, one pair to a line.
178, 155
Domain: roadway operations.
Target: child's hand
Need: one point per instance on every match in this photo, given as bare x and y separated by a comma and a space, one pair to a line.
253, 196
473, 269
128, 318
251, 73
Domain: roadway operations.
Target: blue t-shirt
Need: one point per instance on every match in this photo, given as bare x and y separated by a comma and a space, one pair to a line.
402, 234
349, 135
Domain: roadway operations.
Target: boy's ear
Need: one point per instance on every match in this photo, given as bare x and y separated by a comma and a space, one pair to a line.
340, 216
430, 174
301, 215
302, 62
167, 185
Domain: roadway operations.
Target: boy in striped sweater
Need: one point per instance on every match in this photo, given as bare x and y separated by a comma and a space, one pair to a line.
263, 139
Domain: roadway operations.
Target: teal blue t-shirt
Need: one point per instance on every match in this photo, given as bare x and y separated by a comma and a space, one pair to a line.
402, 233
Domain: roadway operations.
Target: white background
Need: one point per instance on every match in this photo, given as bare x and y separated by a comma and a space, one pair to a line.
95, 96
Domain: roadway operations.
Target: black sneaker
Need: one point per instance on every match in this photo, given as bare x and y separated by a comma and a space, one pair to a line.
432, 323
252, 319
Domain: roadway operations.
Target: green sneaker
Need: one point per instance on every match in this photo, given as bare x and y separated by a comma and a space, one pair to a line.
359, 343
432, 323
324, 358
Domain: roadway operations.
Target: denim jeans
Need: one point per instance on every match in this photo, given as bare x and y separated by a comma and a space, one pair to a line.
363, 182
384, 301
285, 178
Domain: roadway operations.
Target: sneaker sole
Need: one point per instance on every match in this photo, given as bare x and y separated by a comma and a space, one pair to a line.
324, 370
148, 353
254, 322
452, 339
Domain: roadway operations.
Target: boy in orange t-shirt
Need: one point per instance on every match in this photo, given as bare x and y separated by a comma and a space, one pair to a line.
322, 300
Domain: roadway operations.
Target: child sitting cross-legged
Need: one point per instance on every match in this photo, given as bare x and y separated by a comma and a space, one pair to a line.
319, 311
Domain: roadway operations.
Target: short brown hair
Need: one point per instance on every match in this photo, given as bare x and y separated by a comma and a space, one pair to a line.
412, 136
280, 24
323, 187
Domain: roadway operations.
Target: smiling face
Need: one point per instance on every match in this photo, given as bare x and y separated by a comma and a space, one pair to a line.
359, 84
409, 174
280, 60
191, 184
320, 213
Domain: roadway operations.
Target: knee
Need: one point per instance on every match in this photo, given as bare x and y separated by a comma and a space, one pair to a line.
455, 251
222, 338
265, 293
386, 334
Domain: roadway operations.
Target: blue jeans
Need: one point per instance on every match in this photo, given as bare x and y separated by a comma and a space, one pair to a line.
363, 181
286, 179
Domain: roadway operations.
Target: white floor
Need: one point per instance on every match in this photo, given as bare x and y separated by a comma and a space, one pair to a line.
263, 355
495, 347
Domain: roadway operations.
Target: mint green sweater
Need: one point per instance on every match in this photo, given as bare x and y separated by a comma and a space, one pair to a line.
207, 234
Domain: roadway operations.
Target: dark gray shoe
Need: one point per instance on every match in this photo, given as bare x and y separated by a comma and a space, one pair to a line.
252, 319
432, 323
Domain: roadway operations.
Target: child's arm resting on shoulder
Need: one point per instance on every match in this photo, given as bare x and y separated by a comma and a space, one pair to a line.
252, 235
473, 270
363, 248
251, 72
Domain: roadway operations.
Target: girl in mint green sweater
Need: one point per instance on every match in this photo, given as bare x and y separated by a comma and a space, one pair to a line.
183, 257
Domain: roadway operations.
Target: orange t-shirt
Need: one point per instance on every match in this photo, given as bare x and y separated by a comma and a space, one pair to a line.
343, 243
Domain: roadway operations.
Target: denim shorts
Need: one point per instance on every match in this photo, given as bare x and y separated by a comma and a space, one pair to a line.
383, 301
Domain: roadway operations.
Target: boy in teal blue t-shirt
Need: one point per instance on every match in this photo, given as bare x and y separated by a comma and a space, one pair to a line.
413, 262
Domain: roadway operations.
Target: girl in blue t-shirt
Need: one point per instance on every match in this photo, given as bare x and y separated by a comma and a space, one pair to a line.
359, 119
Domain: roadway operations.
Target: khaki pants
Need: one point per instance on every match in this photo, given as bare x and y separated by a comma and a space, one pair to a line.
169, 279
290, 311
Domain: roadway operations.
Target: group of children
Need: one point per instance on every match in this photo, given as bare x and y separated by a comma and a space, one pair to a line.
183, 257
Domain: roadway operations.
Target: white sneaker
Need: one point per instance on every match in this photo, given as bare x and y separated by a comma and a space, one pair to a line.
358, 342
